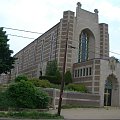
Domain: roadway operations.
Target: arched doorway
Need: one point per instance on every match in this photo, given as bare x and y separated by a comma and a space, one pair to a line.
111, 92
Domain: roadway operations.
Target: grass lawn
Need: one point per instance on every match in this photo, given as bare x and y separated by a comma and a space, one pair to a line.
29, 115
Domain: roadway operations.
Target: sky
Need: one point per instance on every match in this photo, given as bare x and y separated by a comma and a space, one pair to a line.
41, 15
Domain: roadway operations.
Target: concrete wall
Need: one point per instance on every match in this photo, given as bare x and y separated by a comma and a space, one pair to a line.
73, 98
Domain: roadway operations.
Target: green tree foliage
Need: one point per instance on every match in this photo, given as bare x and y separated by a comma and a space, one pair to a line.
51, 79
21, 77
77, 87
52, 73
51, 68
41, 99
6, 61
68, 77
58, 76
24, 94
40, 83
3, 101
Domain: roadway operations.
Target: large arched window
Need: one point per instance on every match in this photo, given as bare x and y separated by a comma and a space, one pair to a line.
83, 47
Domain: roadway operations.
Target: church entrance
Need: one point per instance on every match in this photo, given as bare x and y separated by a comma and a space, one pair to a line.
107, 97
111, 91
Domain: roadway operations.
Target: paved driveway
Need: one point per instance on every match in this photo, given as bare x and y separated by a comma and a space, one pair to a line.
90, 113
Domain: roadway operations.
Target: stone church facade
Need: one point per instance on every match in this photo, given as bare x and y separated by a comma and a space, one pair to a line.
89, 61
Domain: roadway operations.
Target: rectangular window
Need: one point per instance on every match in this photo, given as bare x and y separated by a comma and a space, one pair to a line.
86, 71
83, 71
90, 71
80, 72
75, 73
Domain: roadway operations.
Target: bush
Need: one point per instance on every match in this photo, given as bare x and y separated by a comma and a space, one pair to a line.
58, 76
21, 77
41, 99
40, 83
55, 86
77, 87
51, 68
3, 87
25, 95
68, 77
21, 95
4, 103
51, 79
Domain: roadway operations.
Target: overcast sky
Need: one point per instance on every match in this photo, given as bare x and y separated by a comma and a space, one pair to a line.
41, 15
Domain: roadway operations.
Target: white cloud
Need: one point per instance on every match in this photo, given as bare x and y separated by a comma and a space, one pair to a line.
109, 11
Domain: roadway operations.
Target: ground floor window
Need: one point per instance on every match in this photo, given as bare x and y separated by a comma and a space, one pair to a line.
82, 72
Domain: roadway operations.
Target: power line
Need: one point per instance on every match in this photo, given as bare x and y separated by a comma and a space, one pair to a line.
95, 52
59, 43
99, 48
107, 50
40, 33
22, 30
115, 53
20, 36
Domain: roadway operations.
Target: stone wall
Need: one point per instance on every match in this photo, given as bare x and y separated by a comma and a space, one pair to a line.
73, 98
4, 78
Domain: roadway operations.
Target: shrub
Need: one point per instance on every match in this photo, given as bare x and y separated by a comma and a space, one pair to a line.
25, 95
21, 77
51, 68
41, 99
4, 103
3, 87
59, 76
21, 95
51, 79
40, 83
68, 77
55, 86
77, 87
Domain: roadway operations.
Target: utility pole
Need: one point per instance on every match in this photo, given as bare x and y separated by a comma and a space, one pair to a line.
63, 72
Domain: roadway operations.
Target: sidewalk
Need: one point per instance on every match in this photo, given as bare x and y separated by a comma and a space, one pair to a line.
90, 113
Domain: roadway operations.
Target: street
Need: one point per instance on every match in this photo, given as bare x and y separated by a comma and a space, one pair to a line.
90, 113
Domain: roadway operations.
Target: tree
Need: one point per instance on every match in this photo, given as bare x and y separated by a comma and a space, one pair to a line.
58, 76
6, 61
52, 72
68, 77
51, 68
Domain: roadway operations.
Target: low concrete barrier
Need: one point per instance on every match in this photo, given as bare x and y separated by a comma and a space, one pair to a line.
73, 98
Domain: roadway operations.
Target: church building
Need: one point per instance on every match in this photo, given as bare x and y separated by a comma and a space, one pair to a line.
87, 55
